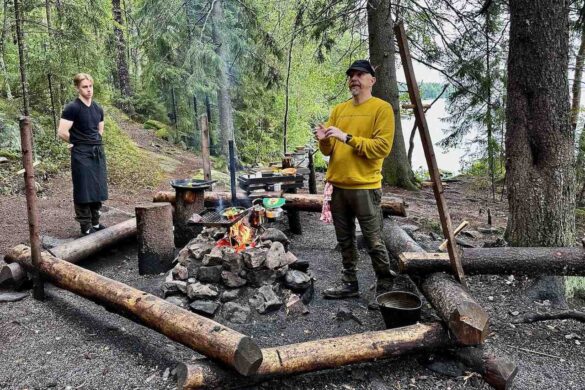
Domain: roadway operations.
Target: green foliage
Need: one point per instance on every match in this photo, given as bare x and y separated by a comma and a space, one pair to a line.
154, 124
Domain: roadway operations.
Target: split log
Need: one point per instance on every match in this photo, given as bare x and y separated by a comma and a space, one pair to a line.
199, 333
558, 315
501, 261
77, 250
391, 205
156, 248
498, 371
318, 355
463, 314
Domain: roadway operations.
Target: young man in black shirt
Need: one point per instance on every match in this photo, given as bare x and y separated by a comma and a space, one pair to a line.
82, 126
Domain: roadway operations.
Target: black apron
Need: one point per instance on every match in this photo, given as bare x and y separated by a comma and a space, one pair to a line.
88, 171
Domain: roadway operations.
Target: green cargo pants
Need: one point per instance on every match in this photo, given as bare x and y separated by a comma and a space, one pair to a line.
346, 206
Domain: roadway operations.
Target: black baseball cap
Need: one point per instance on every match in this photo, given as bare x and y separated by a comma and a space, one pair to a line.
362, 66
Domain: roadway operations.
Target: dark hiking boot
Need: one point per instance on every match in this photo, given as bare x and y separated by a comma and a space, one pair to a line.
99, 226
87, 232
342, 290
382, 286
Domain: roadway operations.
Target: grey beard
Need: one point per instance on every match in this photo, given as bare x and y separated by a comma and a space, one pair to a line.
355, 91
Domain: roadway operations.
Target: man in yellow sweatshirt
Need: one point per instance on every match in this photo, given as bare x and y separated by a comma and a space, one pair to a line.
357, 137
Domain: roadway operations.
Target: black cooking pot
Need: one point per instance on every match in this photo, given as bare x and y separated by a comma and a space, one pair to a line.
192, 184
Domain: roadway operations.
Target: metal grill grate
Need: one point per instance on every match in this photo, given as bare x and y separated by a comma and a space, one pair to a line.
214, 218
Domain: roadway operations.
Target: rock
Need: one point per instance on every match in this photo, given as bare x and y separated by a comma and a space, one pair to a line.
205, 308
471, 233
232, 280
260, 277
193, 268
202, 291
235, 313
210, 274
214, 257
265, 300
300, 265
297, 280
180, 272
307, 296
169, 277
3, 160
273, 235
276, 256
264, 244
174, 287
464, 243
232, 261
49, 242
498, 243
178, 300
230, 295
294, 305
254, 258
12, 296
200, 249
191, 280
183, 257
345, 314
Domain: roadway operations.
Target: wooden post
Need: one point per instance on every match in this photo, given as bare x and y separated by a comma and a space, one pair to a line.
156, 249
189, 201
26, 143
294, 218
319, 355
199, 333
204, 125
312, 178
429, 152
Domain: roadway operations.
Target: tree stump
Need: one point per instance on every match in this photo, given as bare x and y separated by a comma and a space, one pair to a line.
188, 202
156, 248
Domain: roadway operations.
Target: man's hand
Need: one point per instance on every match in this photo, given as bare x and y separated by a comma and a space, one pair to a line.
333, 131
319, 132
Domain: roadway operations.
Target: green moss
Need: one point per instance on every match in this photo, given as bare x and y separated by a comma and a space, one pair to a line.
154, 124
164, 133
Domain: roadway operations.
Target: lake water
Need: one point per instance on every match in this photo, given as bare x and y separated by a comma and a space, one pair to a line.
446, 160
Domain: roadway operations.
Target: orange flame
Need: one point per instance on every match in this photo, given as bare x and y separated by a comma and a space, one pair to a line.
239, 237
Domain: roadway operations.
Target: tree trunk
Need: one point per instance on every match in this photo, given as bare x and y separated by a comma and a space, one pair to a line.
199, 333
318, 355
122, 74
224, 101
576, 103
396, 170
2, 52
500, 261
539, 139
21, 56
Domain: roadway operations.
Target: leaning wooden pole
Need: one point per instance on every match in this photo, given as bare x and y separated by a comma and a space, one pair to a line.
76, 250
390, 205
26, 143
205, 336
466, 319
318, 355
566, 261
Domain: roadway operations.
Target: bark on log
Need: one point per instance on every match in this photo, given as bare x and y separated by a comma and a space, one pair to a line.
77, 250
86, 246
464, 316
498, 371
203, 335
156, 248
303, 202
501, 261
318, 355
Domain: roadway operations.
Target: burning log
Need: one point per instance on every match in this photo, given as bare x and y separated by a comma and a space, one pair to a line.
465, 317
203, 335
79, 249
303, 202
501, 261
498, 371
318, 355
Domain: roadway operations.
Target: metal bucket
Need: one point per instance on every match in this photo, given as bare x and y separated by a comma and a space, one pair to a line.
399, 308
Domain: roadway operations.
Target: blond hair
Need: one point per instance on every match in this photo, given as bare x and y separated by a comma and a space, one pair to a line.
79, 77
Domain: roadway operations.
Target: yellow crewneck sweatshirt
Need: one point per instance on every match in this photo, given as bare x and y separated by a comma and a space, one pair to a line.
358, 164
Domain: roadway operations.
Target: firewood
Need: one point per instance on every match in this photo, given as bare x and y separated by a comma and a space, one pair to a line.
303, 202
461, 312
501, 261
156, 248
497, 370
203, 335
318, 355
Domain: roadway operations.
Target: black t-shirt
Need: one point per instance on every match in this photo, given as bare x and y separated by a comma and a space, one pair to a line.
85, 122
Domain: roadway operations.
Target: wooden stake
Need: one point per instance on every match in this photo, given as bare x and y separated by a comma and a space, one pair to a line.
204, 124
429, 152
461, 226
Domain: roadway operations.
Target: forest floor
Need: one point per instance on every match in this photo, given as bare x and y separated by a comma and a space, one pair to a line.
68, 342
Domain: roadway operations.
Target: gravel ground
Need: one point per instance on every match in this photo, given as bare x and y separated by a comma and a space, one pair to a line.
69, 342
